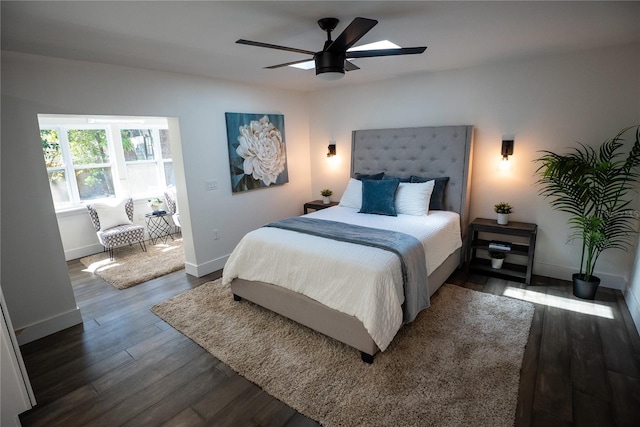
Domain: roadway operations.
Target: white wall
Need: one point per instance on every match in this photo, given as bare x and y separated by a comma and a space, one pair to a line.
547, 103
632, 293
36, 274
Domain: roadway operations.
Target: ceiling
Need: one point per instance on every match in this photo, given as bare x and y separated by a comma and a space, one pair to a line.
198, 38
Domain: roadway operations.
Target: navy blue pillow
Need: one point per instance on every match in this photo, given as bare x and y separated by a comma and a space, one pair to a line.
437, 196
378, 197
395, 177
373, 176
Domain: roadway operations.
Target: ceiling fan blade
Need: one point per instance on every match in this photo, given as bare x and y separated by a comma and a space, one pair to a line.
286, 64
354, 32
350, 66
274, 46
386, 52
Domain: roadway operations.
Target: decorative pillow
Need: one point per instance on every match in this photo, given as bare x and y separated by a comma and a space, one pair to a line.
352, 196
413, 199
437, 196
111, 215
395, 177
378, 197
374, 176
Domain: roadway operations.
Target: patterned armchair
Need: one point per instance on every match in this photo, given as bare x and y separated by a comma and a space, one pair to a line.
116, 230
172, 207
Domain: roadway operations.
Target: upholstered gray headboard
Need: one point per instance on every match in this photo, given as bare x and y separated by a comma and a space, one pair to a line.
424, 151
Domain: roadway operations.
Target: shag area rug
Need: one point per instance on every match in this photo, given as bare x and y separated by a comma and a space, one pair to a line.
130, 266
457, 364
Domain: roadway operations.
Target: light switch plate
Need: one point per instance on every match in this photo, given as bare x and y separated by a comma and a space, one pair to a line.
211, 184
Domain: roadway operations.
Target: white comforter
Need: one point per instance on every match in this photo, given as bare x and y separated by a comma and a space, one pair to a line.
361, 281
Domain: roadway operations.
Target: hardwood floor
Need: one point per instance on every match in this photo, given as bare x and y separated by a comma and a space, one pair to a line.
125, 366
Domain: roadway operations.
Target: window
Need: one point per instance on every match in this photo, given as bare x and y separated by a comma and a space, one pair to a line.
89, 159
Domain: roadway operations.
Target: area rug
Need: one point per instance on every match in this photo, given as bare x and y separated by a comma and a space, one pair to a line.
131, 266
457, 364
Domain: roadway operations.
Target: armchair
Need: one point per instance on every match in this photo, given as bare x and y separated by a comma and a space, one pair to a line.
172, 207
114, 225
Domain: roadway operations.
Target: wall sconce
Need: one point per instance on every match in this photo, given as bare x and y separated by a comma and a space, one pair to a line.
332, 150
507, 148
506, 151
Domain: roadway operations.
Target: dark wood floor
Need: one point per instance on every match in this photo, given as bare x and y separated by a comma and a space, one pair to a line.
124, 366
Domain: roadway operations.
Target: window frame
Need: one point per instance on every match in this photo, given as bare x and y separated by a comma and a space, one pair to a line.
117, 163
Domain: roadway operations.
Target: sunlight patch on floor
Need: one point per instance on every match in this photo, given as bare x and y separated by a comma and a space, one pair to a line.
579, 306
101, 265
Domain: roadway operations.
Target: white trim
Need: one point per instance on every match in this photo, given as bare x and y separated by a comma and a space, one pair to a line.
49, 326
14, 375
83, 251
611, 281
634, 306
200, 270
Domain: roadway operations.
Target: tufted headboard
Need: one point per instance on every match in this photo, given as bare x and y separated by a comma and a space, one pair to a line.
426, 152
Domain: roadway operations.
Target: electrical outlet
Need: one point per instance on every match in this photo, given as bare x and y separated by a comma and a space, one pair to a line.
216, 236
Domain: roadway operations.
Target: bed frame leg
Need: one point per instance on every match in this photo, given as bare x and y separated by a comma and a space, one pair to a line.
237, 298
366, 358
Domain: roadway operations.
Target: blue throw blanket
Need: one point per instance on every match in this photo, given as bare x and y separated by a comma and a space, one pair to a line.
408, 248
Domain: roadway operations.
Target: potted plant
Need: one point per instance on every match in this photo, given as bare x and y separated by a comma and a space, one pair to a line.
155, 203
592, 186
326, 193
497, 258
503, 210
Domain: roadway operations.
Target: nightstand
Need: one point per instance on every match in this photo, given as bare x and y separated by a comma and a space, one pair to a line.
525, 251
317, 205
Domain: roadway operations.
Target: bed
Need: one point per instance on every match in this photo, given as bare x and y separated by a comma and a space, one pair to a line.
425, 152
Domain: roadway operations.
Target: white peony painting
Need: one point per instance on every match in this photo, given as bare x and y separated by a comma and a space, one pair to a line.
257, 155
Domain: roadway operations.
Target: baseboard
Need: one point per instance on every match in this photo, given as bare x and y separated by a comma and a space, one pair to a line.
200, 270
81, 252
49, 326
634, 307
611, 281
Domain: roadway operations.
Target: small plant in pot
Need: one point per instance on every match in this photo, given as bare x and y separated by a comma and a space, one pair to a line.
592, 186
497, 258
326, 193
503, 210
155, 203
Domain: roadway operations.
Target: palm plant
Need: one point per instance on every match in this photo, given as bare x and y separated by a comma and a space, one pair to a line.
592, 186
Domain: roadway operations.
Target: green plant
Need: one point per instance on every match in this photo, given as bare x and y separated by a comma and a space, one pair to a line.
592, 186
502, 208
155, 201
497, 254
326, 192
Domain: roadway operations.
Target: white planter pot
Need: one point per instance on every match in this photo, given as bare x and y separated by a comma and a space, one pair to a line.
496, 263
503, 219
325, 200
156, 207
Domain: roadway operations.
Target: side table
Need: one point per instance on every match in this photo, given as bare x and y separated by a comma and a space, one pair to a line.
158, 227
475, 242
317, 205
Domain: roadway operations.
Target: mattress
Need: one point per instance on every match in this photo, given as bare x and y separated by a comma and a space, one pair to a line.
357, 280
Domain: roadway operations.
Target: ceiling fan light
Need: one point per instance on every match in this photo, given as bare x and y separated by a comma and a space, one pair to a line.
330, 75
330, 65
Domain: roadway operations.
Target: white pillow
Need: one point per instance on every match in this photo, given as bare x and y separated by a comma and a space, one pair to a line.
111, 215
352, 196
413, 198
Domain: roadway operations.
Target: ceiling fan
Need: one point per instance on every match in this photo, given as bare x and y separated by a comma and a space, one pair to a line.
331, 62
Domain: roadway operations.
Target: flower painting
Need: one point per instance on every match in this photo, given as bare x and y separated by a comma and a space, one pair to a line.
257, 155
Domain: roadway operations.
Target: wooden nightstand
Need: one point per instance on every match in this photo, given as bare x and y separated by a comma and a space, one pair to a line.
317, 205
524, 251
